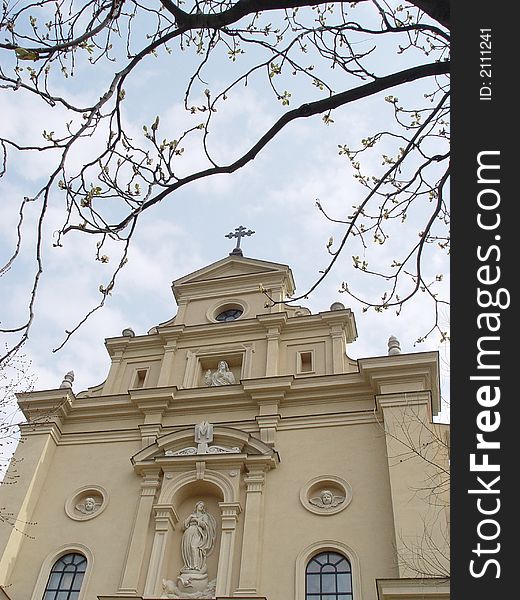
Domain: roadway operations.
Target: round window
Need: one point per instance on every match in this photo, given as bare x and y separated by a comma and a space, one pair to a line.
229, 315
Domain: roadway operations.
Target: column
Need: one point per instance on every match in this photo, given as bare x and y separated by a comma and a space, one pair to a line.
252, 540
230, 512
134, 560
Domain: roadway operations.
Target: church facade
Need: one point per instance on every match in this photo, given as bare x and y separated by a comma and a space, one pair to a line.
234, 451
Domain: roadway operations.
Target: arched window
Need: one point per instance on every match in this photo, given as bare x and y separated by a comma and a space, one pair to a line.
66, 578
328, 576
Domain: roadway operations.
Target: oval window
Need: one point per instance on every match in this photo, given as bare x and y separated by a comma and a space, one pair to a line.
229, 315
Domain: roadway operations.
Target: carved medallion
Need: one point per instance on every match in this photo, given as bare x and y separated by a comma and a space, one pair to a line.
86, 503
326, 495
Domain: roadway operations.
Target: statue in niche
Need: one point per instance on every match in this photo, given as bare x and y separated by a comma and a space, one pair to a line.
198, 541
326, 500
222, 376
200, 531
88, 506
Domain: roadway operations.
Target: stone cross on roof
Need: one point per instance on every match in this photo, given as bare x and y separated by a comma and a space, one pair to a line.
239, 233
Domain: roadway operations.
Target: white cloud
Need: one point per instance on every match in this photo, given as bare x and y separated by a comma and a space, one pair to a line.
274, 195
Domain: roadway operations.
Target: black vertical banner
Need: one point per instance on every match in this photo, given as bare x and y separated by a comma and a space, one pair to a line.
483, 321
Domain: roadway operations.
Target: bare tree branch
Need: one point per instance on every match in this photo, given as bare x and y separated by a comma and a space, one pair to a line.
331, 51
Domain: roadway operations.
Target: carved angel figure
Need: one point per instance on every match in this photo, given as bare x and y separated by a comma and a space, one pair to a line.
326, 499
88, 506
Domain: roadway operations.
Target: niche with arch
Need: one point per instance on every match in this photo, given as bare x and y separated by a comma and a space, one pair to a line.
185, 503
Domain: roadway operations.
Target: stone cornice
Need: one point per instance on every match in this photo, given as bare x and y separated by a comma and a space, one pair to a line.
147, 341
154, 343
46, 405
417, 371
286, 423
99, 437
134, 597
434, 588
45, 428
326, 420
249, 283
269, 320
403, 399
379, 376
228, 270
343, 319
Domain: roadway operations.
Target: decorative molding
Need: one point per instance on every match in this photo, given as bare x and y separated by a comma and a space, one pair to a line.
86, 503
235, 301
327, 420
191, 450
410, 589
326, 495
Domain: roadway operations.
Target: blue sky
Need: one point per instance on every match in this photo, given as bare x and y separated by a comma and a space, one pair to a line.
275, 195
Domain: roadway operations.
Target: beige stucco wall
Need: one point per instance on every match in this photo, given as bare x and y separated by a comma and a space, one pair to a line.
336, 423
355, 453
73, 467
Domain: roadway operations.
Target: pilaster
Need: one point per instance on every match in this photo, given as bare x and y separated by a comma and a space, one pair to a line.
417, 468
274, 324
165, 520
152, 404
32, 468
116, 349
268, 425
134, 560
273, 351
252, 537
338, 348
166, 372
229, 512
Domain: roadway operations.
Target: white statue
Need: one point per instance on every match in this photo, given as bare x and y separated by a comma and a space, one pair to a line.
222, 376
200, 531
88, 506
171, 590
326, 499
203, 435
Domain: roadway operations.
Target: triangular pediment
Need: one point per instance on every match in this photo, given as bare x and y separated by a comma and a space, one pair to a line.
232, 266
231, 279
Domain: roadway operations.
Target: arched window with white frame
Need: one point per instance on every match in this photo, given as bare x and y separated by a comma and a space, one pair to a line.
66, 577
328, 576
